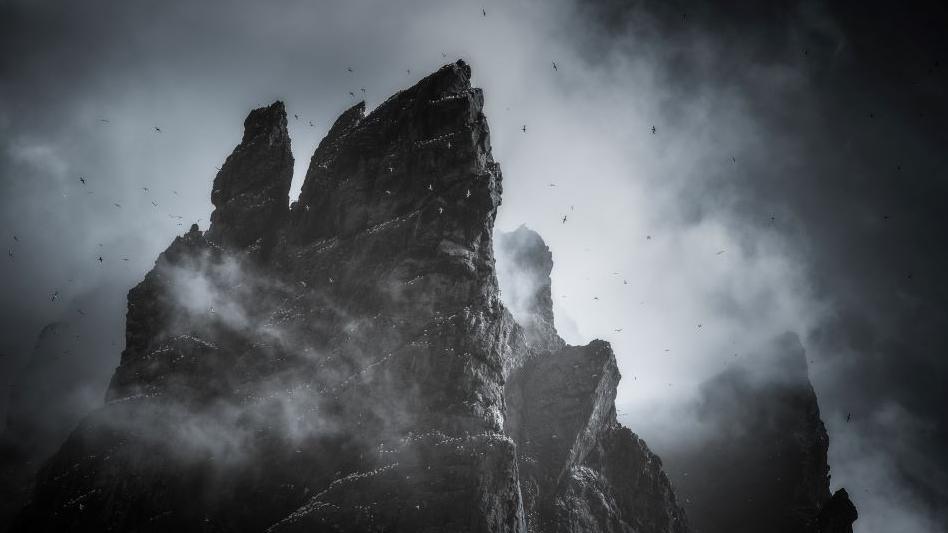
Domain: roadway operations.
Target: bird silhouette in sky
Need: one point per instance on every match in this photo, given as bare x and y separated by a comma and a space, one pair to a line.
654, 130
53, 296
297, 117
82, 180
100, 258
117, 205
556, 68
564, 219
483, 12
157, 129
524, 128
849, 416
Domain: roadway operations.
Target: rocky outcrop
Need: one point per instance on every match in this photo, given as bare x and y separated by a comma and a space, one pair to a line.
251, 191
346, 364
580, 470
764, 466
524, 276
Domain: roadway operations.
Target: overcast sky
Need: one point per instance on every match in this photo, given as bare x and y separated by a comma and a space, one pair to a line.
795, 181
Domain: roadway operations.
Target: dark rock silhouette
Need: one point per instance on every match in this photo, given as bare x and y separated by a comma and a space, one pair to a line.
764, 467
55, 388
346, 364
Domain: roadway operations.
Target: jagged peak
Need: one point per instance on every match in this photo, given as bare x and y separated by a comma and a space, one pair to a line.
524, 265
269, 121
346, 121
251, 191
425, 149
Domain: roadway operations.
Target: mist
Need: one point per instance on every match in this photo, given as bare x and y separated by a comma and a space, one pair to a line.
792, 182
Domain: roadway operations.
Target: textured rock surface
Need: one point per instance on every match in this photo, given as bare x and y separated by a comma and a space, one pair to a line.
346, 364
765, 467
580, 470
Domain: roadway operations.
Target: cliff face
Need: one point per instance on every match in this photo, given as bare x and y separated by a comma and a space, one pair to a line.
764, 468
346, 363
580, 470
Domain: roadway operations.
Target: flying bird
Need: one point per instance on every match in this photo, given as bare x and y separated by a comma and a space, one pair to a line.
145, 189
16, 239
82, 180
349, 69
849, 417
154, 203
100, 258
103, 121
555, 67
618, 330
157, 129
564, 219
654, 130
297, 117
117, 205
484, 12
310, 123
524, 128
81, 312
10, 253
720, 252
53, 296
351, 94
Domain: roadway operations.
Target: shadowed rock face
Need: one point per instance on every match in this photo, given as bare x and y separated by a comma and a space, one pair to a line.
580, 470
765, 467
346, 364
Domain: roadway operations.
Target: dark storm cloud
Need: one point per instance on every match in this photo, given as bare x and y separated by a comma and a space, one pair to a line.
829, 119
852, 99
